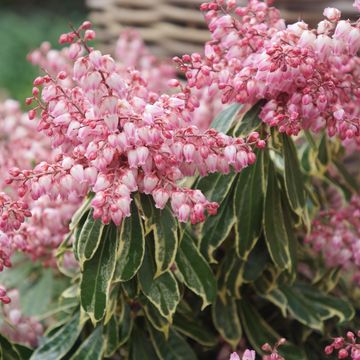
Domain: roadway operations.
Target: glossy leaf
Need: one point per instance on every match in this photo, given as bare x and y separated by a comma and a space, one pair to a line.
276, 235
173, 348
226, 319
248, 204
250, 121
8, 350
166, 239
195, 271
92, 348
294, 182
89, 238
155, 318
118, 330
131, 246
217, 228
225, 119
141, 347
97, 275
216, 186
163, 291
61, 342
192, 328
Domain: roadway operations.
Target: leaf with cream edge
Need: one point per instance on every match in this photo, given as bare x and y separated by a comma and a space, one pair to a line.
61, 342
276, 235
166, 239
226, 319
173, 348
248, 204
131, 248
118, 330
154, 317
195, 270
223, 121
163, 291
195, 330
92, 348
294, 183
89, 238
217, 228
250, 121
97, 275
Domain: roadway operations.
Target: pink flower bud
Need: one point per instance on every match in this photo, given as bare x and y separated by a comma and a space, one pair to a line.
150, 182
77, 173
230, 154
189, 152
101, 183
184, 212
161, 197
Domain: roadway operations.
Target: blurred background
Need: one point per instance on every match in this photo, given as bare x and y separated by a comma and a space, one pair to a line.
170, 27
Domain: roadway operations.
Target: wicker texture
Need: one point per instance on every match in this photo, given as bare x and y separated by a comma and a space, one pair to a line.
175, 27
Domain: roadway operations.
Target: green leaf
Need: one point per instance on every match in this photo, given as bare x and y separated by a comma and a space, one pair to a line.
217, 228
92, 348
350, 180
248, 204
256, 262
163, 291
131, 246
195, 271
225, 119
294, 182
97, 275
118, 329
327, 305
226, 319
216, 186
24, 352
302, 309
141, 347
61, 342
155, 318
173, 348
259, 332
193, 329
38, 295
8, 350
89, 238
250, 121
165, 239
324, 155
276, 235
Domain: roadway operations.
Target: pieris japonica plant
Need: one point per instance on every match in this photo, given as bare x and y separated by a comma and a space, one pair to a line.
148, 217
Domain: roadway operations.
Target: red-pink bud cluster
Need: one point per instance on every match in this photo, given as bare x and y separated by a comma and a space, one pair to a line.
116, 136
336, 234
346, 348
310, 77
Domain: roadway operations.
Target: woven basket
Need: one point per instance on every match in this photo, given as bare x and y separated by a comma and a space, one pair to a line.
176, 27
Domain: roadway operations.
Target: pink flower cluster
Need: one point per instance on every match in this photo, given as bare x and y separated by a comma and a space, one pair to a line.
115, 136
46, 220
309, 77
346, 348
18, 327
336, 234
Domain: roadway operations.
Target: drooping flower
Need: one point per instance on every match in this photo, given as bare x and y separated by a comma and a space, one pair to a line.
309, 77
116, 136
